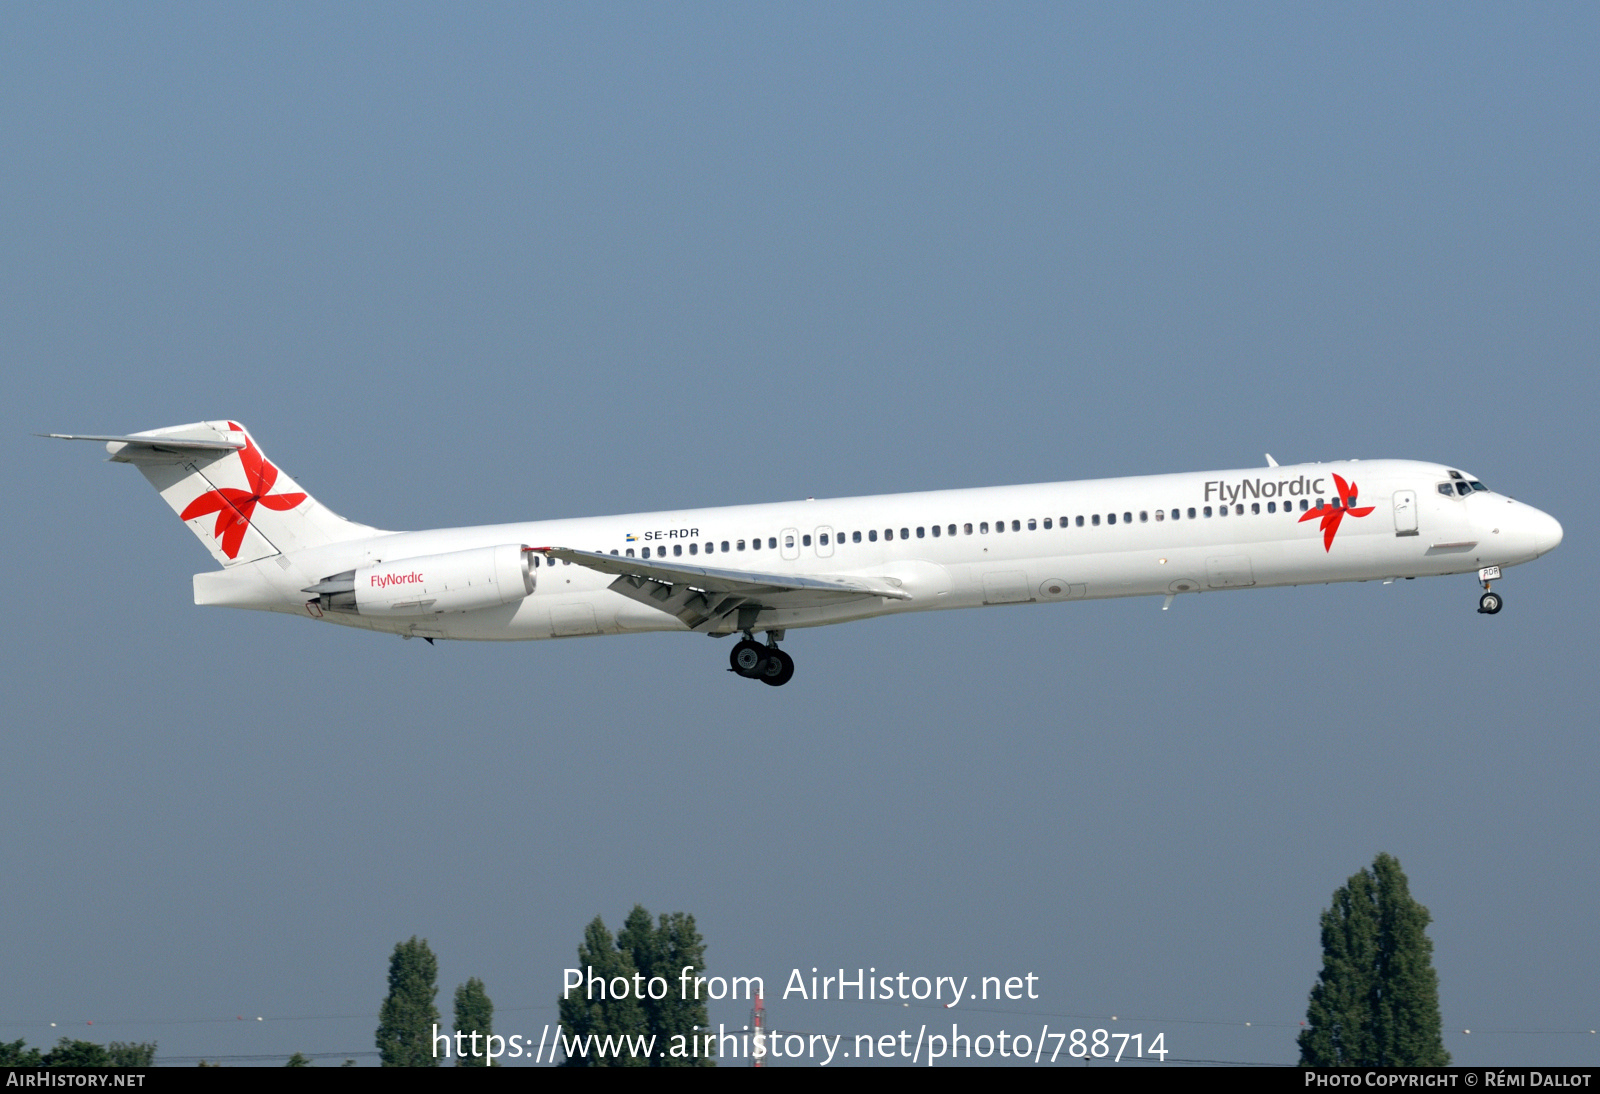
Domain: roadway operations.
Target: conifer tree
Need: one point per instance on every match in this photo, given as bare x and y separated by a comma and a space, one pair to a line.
408, 1016
1376, 1001
474, 1014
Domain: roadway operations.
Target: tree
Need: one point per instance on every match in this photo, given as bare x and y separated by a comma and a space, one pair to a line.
641, 950
408, 1017
474, 1014
72, 1053
299, 1059
1376, 1001
582, 1016
132, 1053
665, 950
18, 1054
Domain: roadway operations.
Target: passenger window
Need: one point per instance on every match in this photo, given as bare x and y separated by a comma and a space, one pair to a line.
772, 542
999, 526
937, 530
855, 537
1161, 514
1208, 510
1080, 521
1047, 524
984, 527
1095, 520
788, 541
1111, 518
1016, 526
805, 541
919, 532
725, 546
1222, 510
694, 548
1304, 504
1127, 518
1191, 512
677, 548
536, 557
823, 539
741, 545
872, 535
1033, 525
755, 543
888, 533
905, 533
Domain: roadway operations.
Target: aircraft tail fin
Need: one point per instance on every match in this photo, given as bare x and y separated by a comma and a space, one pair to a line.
231, 496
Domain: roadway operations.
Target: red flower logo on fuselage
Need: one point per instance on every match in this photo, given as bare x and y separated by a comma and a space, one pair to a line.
233, 507
1332, 517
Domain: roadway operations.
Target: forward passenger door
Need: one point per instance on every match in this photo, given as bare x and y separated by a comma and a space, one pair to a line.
1405, 512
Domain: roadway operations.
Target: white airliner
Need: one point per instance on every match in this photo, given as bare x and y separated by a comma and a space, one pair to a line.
768, 568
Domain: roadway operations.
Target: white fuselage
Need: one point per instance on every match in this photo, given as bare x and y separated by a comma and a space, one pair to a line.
1162, 535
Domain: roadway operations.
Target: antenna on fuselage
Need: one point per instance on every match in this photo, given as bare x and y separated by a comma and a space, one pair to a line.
1270, 461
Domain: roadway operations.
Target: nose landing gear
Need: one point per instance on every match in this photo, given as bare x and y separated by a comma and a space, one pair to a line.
767, 663
1489, 603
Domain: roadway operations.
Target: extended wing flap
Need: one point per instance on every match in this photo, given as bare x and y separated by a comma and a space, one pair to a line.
700, 595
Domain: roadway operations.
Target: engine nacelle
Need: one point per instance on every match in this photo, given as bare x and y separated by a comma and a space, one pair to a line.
460, 581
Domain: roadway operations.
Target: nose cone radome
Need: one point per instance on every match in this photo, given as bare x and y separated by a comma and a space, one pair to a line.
1546, 532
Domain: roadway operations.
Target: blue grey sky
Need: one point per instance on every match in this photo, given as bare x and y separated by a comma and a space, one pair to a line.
516, 262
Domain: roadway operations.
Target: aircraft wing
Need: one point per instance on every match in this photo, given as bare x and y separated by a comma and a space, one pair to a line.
701, 596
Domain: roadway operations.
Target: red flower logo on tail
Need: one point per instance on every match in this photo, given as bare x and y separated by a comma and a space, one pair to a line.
1332, 517
233, 507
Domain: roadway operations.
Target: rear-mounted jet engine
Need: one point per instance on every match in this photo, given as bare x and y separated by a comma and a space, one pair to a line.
461, 581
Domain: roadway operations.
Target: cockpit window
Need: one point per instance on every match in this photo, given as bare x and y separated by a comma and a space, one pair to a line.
1463, 489
1476, 485
1444, 488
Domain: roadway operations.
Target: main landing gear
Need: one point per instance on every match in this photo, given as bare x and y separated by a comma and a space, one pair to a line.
1489, 603
766, 663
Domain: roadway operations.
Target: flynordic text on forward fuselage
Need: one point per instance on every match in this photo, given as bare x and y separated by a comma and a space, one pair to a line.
773, 567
